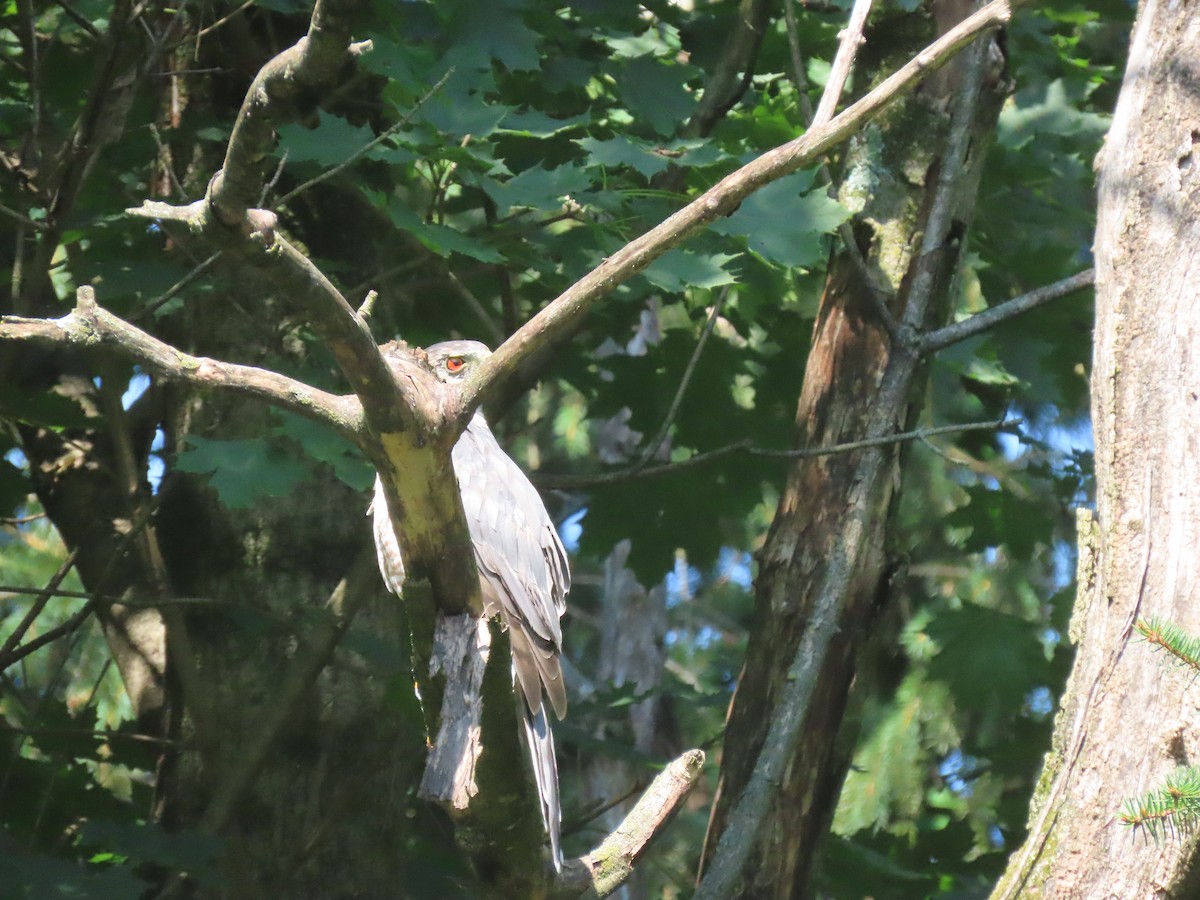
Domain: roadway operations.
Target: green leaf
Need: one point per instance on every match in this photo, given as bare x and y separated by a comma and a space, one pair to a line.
622, 151
537, 188
333, 141
784, 227
653, 91
487, 31
48, 409
242, 471
658, 41
325, 445
678, 270
442, 240
1056, 112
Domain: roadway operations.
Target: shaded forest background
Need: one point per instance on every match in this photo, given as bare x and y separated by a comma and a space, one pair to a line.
478, 160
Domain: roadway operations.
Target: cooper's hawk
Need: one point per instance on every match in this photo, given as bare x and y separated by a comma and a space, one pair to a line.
523, 571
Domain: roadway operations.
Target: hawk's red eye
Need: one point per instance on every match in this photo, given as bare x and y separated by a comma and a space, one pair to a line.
455, 364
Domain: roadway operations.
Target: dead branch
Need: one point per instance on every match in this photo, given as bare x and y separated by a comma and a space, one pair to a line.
990, 318
602, 871
720, 200
89, 325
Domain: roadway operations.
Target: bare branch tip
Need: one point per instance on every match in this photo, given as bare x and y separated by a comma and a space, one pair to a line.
156, 209
262, 223
85, 299
368, 305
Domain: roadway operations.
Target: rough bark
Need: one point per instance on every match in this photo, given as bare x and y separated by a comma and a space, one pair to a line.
892, 180
1128, 717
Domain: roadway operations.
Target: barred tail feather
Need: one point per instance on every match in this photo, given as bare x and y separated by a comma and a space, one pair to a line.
545, 773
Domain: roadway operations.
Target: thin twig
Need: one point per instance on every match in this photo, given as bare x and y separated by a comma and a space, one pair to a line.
631, 473
22, 218
173, 291
19, 653
167, 159
365, 148
494, 331
918, 434
78, 18
387, 274
798, 74
851, 38
87, 732
21, 520
591, 815
221, 21
35, 609
990, 318
653, 447
274, 179
124, 601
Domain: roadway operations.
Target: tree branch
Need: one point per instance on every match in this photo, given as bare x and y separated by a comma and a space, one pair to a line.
310, 65
734, 69
259, 245
851, 39
720, 200
602, 871
89, 325
632, 473
990, 318
61, 630
35, 609
664, 431
744, 820
410, 420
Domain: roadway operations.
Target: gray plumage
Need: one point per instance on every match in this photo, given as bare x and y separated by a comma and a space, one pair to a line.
523, 571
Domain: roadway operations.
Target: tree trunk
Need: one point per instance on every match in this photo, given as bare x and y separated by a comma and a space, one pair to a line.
854, 370
1128, 716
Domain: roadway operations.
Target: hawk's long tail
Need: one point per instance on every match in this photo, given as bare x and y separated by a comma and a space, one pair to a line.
545, 773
